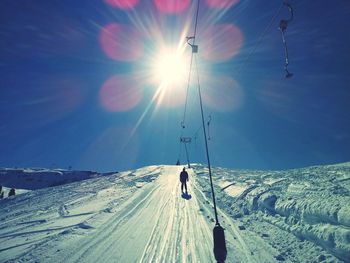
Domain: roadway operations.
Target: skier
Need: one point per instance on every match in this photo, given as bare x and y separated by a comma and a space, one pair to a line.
183, 179
12, 192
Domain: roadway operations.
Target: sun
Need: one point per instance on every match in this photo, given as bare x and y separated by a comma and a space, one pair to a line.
170, 68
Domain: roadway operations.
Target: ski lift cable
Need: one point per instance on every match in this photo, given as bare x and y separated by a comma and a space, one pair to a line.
193, 38
180, 151
206, 145
260, 39
187, 89
220, 251
208, 123
195, 135
194, 51
283, 27
194, 48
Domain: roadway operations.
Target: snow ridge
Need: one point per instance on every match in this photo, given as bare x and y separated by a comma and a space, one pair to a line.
310, 203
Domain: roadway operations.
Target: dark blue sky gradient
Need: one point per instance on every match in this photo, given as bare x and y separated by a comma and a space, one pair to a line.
52, 68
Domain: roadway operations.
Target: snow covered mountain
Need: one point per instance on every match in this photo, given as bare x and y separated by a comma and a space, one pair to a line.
36, 178
299, 215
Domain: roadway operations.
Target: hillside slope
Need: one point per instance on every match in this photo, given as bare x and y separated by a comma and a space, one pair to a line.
37, 178
305, 213
140, 216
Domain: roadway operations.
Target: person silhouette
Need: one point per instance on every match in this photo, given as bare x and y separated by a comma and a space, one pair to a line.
183, 179
12, 192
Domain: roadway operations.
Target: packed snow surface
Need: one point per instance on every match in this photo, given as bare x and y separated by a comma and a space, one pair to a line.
299, 215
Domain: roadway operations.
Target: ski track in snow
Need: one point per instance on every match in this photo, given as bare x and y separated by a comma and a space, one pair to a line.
153, 223
136, 216
156, 225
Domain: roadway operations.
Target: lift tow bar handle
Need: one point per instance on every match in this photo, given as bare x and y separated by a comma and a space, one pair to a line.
220, 250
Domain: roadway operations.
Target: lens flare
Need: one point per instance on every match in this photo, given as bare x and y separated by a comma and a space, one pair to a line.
170, 67
221, 42
171, 96
221, 3
120, 93
172, 6
122, 4
121, 42
169, 73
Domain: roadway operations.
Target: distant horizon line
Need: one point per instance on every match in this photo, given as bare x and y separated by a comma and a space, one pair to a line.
143, 166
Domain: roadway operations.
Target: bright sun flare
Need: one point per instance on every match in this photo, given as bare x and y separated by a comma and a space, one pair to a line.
170, 68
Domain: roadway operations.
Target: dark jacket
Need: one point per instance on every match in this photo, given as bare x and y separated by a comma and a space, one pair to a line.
183, 176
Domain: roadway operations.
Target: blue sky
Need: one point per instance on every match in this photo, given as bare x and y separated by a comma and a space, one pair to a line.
77, 88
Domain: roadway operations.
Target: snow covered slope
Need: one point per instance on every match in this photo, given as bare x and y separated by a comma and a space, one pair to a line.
37, 178
140, 216
298, 211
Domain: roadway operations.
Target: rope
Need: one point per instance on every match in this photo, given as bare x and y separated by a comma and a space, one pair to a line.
220, 251
193, 38
206, 146
283, 27
188, 87
208, 123
260, 39
195, 135
180, 152
195, 50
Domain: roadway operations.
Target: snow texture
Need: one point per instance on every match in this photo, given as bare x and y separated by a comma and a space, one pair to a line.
299, 215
